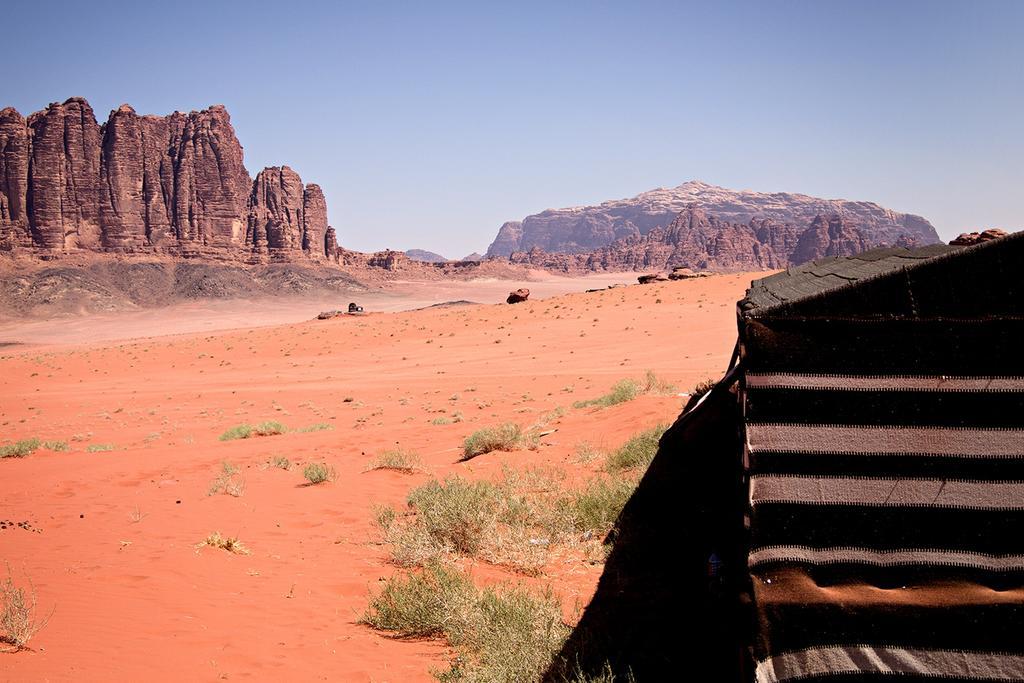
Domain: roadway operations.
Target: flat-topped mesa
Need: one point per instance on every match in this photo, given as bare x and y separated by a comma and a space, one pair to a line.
701, 241
171, 184
584, 229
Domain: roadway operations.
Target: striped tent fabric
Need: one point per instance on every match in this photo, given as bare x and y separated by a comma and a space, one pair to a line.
884, 455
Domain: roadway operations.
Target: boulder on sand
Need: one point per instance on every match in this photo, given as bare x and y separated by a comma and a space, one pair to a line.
327, 315
518, 296
653, 277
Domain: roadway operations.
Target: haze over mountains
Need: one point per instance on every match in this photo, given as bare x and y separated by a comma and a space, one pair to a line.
770, 226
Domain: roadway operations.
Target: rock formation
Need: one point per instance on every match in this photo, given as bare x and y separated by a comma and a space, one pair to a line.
700, 241
585, 229
148, 184
518, 296
969, 238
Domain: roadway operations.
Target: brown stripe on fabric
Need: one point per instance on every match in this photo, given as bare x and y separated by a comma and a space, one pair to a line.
885, 558
850, 659
800, 438
882, 382
939, 493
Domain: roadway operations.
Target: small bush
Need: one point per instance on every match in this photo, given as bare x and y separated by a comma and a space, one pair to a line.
281, 462
437, 421
20, 449
637, 452
396, 459
229, 481
622, 391
19, 615
420, 605
99, 448
57, 446
456, 513
246, 431
318, 427
242, 431
269, 428
507, 437
627, 389
500, 634
318, 473
596, 506
231, 544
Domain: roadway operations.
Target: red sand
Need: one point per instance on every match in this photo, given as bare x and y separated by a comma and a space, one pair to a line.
134, 599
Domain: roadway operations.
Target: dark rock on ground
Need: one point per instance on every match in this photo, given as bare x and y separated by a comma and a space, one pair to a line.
518, 296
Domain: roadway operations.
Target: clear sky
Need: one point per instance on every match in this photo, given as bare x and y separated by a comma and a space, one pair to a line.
429, 124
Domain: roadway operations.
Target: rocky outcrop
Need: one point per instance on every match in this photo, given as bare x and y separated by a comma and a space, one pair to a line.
700, 241
587, 228
969, 238
518, 296
831, 236
149, 184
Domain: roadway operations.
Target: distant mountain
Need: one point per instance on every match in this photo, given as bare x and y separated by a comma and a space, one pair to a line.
425, 256
583, 229
473, 257
701, 241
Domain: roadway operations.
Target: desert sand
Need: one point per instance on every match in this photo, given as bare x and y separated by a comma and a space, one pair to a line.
111, 548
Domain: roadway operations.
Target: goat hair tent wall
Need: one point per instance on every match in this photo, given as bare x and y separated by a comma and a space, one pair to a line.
847, 504
884, 454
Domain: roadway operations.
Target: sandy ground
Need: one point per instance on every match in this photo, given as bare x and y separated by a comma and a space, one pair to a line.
211, 315
112, 550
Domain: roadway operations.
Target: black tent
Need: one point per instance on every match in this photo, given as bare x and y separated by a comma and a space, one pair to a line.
849, 500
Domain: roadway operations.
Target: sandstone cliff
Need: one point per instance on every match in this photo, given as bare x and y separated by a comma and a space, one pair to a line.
175, 184
584, 229
701, 241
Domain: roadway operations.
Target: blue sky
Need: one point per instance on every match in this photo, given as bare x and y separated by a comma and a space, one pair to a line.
428, 124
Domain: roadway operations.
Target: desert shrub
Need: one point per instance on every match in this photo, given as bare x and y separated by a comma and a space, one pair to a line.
246, 431
653, 384
269, 428
507, 437
456, 513
438, 421
99, 448
421, 604
500, 634
622, 391
638, 451
20, 619
229, 481
229, 543
20, 449
397, 459
597, 505
318, 427
56, 446
627, 389
242, 431
280, 462
318, 473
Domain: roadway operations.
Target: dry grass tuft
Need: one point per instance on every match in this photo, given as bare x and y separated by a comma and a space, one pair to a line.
318, 473
638, 451
231, 544
229, 481
506, 633
20, 449
247, 431
628, 389
19, 614
397, 459
507, 437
